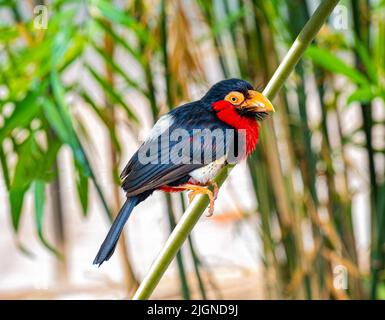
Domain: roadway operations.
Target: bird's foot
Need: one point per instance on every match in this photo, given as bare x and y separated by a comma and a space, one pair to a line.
215, 189
195, 190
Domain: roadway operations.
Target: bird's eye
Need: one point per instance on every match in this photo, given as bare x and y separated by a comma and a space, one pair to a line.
235, 97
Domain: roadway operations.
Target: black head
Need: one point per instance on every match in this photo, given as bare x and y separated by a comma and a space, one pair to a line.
240, 96
219, 90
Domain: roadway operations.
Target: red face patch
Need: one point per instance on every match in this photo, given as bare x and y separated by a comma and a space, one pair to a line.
226, 112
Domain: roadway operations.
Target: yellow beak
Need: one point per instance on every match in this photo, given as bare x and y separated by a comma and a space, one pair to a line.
257, 102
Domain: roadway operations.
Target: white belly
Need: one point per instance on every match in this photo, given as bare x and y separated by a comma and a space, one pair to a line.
207, 173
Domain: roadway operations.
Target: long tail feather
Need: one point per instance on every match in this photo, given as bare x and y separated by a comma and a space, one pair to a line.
108, 246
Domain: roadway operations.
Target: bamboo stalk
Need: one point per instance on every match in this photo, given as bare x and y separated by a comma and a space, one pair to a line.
195, 258
183, 282
195, 210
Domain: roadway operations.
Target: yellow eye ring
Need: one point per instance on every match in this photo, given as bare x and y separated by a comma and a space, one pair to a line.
235, 98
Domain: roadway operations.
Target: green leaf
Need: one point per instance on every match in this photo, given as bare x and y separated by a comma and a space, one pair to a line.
33, 164
82, 188
53, 116
99, 111
363, 94
103, 117
25, 172
137, 55
117, 69
59, 95
8, 34
367, 61
64, 118
39, 196
74, 142
47, 162
4, 166
334, 64
60, 45
111, 12
29, 156
22, 115
16, 197
73, 53
112, 93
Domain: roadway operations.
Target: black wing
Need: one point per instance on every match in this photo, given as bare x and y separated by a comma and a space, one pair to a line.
171, 155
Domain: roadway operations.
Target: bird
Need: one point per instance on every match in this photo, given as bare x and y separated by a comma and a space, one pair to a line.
188, 146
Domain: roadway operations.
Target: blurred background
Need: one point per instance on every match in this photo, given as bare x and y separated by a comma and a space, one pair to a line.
82, 83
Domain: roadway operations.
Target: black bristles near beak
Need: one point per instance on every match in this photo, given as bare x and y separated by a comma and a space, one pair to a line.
252, 114
261, 115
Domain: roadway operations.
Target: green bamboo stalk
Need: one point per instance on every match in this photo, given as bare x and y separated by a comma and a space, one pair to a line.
197, 265
195, 210
195, 258
184, 286
362, 31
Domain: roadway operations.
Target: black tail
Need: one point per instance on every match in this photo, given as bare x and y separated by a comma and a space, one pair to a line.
108, 246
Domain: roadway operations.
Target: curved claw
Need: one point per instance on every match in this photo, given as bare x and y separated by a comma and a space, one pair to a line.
195, 190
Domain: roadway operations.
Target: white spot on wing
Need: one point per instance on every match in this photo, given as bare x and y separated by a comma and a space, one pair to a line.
160, 126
